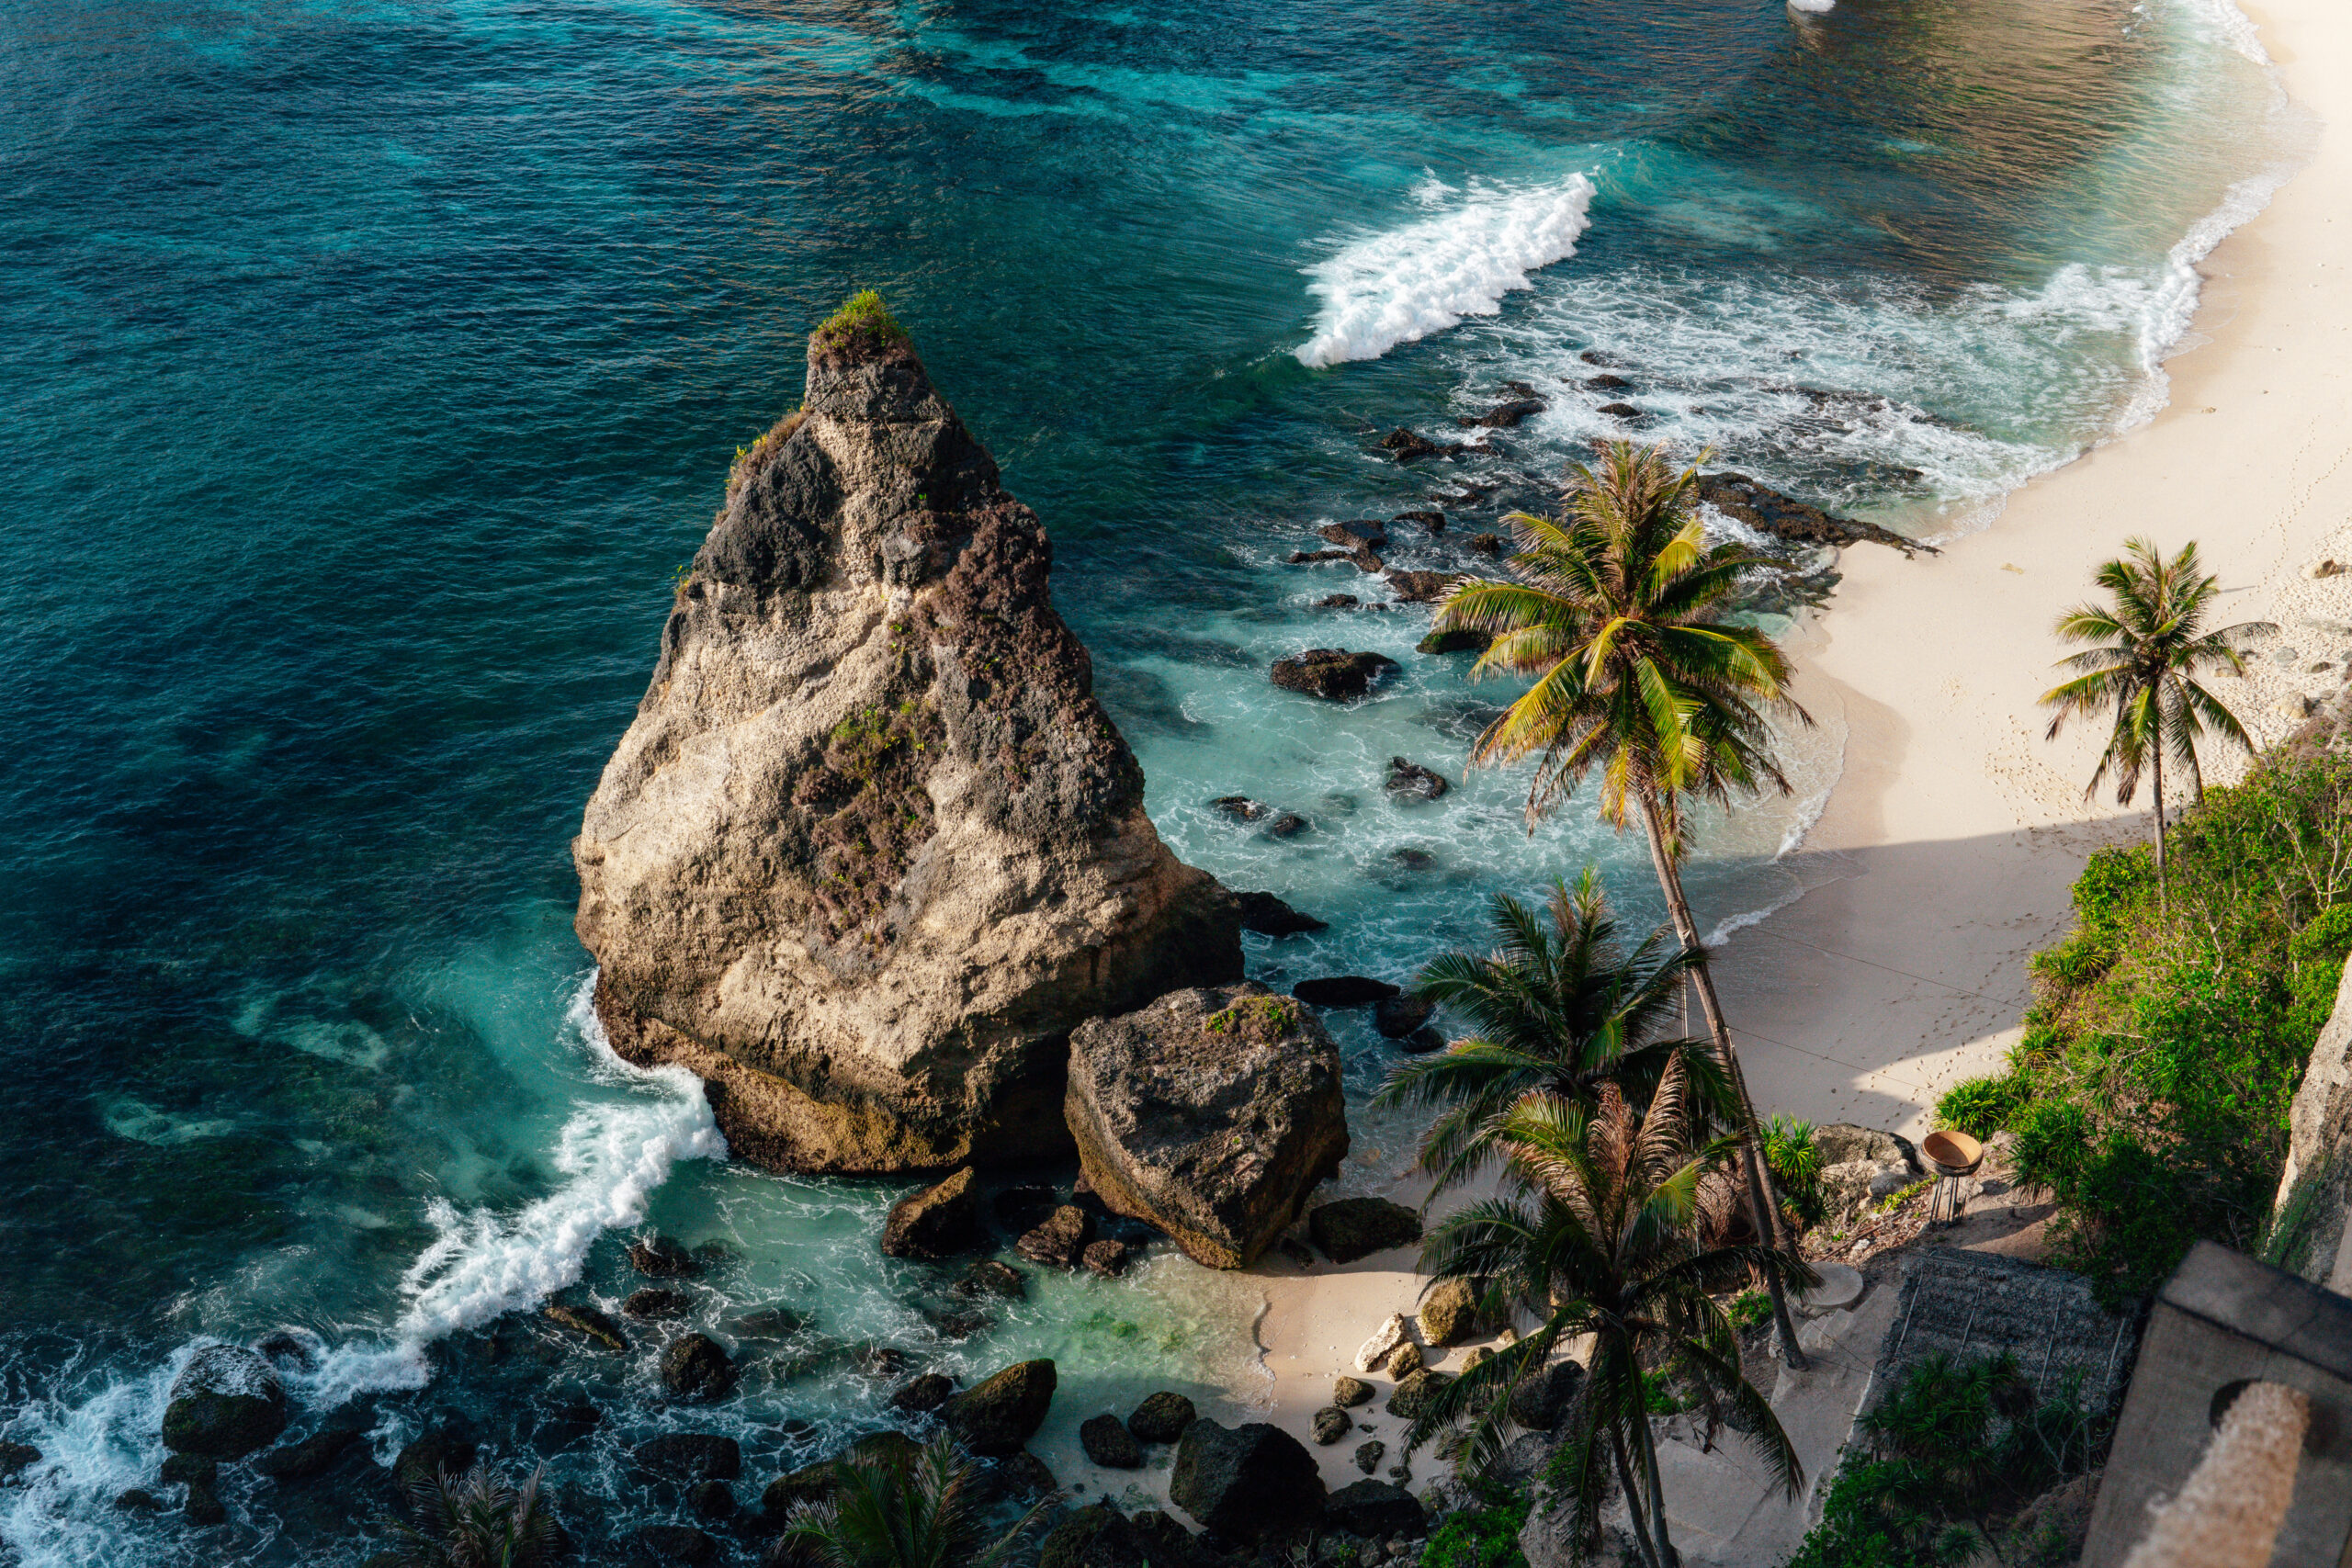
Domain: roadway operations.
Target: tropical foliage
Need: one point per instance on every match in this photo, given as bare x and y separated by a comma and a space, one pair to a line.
886, 1514
477, 1520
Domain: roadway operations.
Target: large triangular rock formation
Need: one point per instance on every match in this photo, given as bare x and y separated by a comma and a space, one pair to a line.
871, 848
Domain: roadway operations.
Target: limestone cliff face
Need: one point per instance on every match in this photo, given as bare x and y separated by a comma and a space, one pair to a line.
871, 848
2314, 1200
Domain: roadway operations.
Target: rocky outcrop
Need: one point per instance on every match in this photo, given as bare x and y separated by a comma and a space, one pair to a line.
871, 848
2315, 1190
1422, 587
1860, 1165
225, 1404
1784, 517
1269, 916
1212, 1114
1245, 1481
1352, 1228
1332, 673
1375, 1508
938, 1221
1407, 447
995, 1416
698, 1367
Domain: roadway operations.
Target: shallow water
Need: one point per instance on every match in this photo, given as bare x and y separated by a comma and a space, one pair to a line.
366, 367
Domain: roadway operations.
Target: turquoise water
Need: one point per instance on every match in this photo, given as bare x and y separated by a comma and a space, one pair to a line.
365, 368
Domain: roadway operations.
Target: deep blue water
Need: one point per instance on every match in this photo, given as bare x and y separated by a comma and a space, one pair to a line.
365, 369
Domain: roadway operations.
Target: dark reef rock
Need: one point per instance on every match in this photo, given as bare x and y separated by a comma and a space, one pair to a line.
678, 1543
1062, 1240
1454, 640
225, 1404
1407, 447
1269, 916
1364, 533
1108, 1443
698, 1367
994, 1417
1352, 1228
938, 1221
1626, 411
589, 1321
992, 1277
1246, 1482
1108, 1258
1342, 991
444, 1447
1375, 1508
1608, 383
1162, 1418
655, 1304
1422, 1042
658, 1257
310, 1458
1431, 522
1422, 587
1504, 416
1289, 825
1368, 1455
1411, 778
1784, 517
1332, 672
1211, 1114
1337, 602
871, 848
1398, 1017
1240, 807
690, 1456
923, 1394
15, 1458
1487, 543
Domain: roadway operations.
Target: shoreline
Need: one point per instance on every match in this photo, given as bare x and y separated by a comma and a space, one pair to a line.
1945, 853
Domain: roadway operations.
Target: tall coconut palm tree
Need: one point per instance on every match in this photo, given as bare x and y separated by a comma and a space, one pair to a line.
1558, 1006
1620, 613
2147, 648
1598, 1234
889, 1513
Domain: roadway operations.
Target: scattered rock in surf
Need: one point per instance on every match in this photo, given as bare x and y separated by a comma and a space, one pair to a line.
678, 1543
202, 1506
1246, 1482
189, 1469
310, 1458
655, 1303
1421, 1042
225, 1404
1449, 1312
15, 1458
1405, 1360
1162, 1418
1422, 587
1269, 916
1376, 1510
1368, 1455
1240, 807
1351, 1228
993, 1419
771, 1323
1407, 447
285, 1349
698, 1367
1414, 1391
657, 1257
690, 1456
1337, 602
588, 1321
1625, 411
1330, 1425
1608, 383
1108, 1258
923, 1394
711, 1500
1347, 1392
446, 1446
1411, 778
992, 1277
1396, 1017
1594, 356
1332, 673
1454, 639
1289, 825
940, 1220
1431, 522
1062, 1240
1375, 1352
1109, 1444
1210, 1114
1405, 857
1317, 558
1342, 990
1784, 517
138, 1500
1504, 416
1486, 544
1363, 533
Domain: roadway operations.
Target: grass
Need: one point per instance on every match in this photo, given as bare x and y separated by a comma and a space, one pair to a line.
1261, 1019
862, 327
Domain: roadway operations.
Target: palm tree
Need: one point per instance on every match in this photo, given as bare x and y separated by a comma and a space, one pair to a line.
892, 1515
477, 1520
2148, 648
1619, 615
1598, 1234
1557, 1006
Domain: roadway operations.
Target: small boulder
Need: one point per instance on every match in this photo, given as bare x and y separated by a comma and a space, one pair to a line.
1431, 522
1413, 1392
1349, 1391
1024, 1475
1405, 1360
1108, 1258
189, 1469
1352, 1228
587, 1322
995, 1417
1331, 1423
1621, 410
1382, 1345
1449, 1312
1422, 1042
1422, 587
1342, 990
923, 1394
657, 1257
1245, 1481
1210, 1114
1240, 807
1410, 779
1362, 534
1608, 383
940, 1220
1162, 1418
678, 1543
225, 1404
698, 1367
1062, 1240
1407, 447
1398, 1017
1332, 673
1314, 557
1454, 639
1504, 416
138, 1500
1368, 1455
313, 1456
656, 1303
1269, 916
1289, 825
1108, 1443
1337, 602
771, 1323
1375, 1508
690, 1456
992, 1277
1486, 544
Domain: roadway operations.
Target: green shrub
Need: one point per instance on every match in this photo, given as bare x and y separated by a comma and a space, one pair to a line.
1485, 1537
863, 325
1749, 1308
1796, 1166
1981, 1107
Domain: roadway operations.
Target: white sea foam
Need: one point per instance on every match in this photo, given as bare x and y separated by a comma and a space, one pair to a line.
1814, 7
1400, 285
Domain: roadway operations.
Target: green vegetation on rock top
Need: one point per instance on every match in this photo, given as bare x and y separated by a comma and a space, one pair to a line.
863, 325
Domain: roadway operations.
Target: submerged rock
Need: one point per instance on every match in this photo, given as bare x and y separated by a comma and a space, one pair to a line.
1503, 416
444, 1447
924, 1394
1352, 1228
938, 1221
1431, 522
654, 1303
1245, 1481
871, 848
992, 1277
15, 1458
690, 1456
678, 1543
225, 1404
1366, 534
1269, 916
993, 1419
313, 1457
1332, 673
1409, 778
1211, 1114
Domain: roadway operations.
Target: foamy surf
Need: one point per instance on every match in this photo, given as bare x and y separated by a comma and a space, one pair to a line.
1400, 285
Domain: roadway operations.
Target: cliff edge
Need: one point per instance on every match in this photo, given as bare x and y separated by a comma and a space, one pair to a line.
871, 850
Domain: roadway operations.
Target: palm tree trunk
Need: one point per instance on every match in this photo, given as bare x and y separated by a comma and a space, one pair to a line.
1633, 1497
1666, 1556
2164, 893
1762, 1212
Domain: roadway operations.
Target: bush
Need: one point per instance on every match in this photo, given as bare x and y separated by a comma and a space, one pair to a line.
1981, 1107
1484, 1537
1796, 1166
863, 325
1750, 1308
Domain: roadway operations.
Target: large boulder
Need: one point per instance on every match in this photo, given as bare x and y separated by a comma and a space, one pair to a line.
1450, 1311
1351, 1228
938, 1221
995, 1416
1375, 1508
225, 1404
1212, 1113
695, 1366
1332, 672
871, 848
1245, 1481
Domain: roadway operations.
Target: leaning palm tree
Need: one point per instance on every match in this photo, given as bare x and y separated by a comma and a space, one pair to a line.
1619, 610
1559, 1006
477, 1520
893, 1514
2148, 648
1598, 1234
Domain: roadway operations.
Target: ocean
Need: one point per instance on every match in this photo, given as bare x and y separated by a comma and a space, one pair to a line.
367, 367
